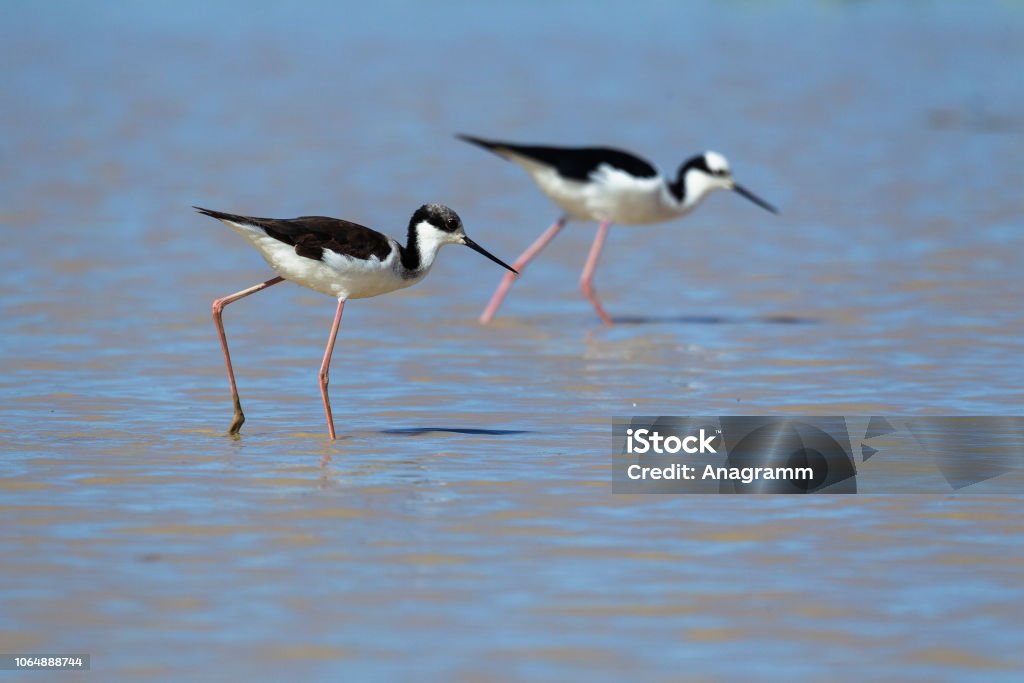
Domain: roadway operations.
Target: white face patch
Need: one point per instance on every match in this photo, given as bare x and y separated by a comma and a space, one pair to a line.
429, 240
700, 183
716, 162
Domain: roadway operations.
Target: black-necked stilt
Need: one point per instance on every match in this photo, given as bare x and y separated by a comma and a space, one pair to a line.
343, 260
608, 186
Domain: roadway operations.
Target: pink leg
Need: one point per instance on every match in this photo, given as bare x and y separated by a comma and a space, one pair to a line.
524, 258
218, 310
586, 279
326, 366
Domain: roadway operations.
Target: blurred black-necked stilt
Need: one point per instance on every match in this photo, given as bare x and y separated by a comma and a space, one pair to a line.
343, 260
608, 186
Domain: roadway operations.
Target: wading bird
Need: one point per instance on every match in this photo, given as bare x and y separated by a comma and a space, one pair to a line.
608, 186
340, 259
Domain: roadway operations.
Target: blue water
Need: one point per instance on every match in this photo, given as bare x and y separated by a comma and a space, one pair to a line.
463, 526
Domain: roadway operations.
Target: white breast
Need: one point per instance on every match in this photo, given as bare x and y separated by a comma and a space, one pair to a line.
611, 194
626, 200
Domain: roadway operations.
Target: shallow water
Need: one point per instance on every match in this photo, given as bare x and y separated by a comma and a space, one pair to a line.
462, 526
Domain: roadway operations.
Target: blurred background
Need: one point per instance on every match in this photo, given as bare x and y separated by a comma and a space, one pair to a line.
463, 526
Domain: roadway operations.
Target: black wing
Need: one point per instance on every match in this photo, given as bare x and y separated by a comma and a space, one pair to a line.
311, 235
575, 163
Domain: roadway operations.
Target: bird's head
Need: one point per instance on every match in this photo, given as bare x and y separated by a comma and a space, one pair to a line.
703, 174
435, 225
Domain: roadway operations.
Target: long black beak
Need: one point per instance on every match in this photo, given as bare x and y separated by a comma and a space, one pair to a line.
754, 198
480, 250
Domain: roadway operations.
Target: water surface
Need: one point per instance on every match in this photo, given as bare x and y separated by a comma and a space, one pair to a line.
463, 526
